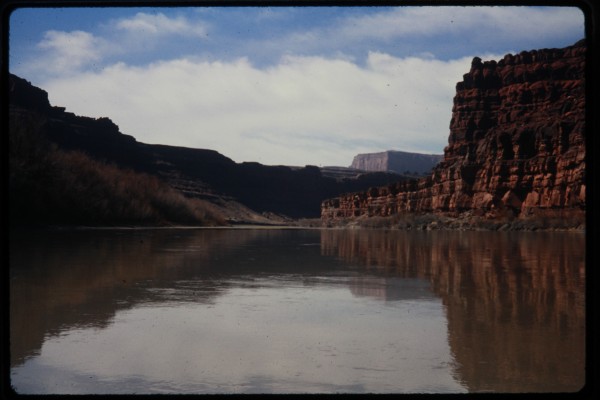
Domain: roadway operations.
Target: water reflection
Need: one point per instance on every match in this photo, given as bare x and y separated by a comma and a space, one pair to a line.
81, 278
296, 311
515, 301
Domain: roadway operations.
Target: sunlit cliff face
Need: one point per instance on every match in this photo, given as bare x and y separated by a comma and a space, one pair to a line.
516, 144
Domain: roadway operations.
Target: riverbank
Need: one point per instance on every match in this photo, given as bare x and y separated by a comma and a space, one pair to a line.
468, 221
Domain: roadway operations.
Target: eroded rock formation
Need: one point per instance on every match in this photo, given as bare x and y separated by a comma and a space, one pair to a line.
516, 145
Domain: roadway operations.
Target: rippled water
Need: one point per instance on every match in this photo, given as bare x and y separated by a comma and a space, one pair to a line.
296, 311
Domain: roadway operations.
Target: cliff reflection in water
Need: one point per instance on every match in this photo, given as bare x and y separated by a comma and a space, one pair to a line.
65, 279
515, 301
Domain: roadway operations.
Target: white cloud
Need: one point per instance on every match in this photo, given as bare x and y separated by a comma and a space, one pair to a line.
302, 109
513, 22
66, 52
62, 53
305, 110
447, 32
160, 25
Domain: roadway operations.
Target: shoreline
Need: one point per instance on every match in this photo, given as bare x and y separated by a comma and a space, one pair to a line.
372, 223
464, 222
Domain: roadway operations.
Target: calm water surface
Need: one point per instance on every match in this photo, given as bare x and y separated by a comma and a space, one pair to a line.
295, 311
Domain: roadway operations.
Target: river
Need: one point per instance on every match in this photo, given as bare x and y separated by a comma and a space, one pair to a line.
296, 311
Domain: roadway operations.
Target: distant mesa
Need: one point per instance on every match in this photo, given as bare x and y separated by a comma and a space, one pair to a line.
400, 162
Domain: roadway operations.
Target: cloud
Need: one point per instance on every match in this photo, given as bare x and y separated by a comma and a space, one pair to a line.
304, 110
66, 52
513, 22
318, 95
447, 32
160, 25
62, 53
265, 35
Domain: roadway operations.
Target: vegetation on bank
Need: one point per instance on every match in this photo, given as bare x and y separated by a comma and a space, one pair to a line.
51, 186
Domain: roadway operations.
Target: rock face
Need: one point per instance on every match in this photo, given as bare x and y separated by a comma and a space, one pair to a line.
401, 162
516, 145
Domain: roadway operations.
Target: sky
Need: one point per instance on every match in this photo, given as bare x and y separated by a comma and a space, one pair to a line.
277, 85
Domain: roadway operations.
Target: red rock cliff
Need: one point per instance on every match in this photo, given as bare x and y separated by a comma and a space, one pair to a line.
516, 144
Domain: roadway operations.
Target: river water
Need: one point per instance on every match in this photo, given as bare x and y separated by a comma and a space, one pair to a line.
296, 311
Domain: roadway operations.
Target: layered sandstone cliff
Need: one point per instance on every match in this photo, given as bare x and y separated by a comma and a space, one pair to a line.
516, 145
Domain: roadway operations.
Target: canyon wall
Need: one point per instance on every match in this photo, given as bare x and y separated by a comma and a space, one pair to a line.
516, 145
